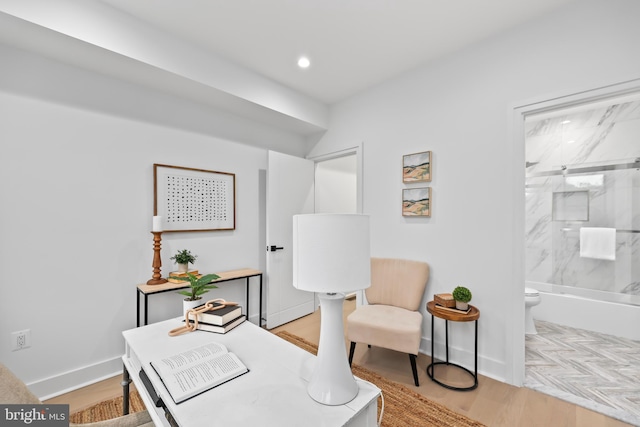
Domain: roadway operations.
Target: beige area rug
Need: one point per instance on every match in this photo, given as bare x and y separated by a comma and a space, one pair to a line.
403, 407
107, 409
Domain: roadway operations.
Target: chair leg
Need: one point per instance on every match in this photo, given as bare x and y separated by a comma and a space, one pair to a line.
412, 358
351, 351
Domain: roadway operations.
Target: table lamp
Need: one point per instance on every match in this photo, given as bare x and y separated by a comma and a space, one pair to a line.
331, 256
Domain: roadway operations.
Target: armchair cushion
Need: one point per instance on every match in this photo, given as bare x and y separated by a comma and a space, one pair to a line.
386, 326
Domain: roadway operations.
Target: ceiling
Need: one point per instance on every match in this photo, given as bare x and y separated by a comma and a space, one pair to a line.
352, 44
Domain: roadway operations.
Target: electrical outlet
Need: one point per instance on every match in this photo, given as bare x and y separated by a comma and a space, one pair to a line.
20, 339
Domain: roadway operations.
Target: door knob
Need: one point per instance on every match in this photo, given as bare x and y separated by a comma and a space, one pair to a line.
274, 248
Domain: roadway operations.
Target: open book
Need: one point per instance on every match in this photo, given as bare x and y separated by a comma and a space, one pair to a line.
199, 369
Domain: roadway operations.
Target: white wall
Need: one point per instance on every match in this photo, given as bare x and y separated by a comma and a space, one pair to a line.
460, 107
77, 202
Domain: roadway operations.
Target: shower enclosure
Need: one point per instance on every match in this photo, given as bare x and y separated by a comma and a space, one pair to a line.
583, 172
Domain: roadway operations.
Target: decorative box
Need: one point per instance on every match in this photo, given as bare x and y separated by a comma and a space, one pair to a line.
445, 300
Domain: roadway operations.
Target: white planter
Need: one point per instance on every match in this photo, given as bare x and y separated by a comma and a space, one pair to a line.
188, 305
183, 268
462, 305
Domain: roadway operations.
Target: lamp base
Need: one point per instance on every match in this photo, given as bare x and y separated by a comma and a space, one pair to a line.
332, 382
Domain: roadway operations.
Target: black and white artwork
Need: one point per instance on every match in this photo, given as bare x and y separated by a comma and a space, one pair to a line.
194, 199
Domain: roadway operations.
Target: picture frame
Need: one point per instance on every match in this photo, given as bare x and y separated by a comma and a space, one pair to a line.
417, 167
189, 199
416, 202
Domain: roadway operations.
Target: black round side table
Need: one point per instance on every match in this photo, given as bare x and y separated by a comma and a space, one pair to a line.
454, 316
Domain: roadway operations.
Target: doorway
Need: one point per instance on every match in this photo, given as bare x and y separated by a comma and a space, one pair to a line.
339, 177
579, 165
336, 185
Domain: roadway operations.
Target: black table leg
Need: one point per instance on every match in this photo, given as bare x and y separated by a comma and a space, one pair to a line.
247, 297
260, 309
476, 356
126, 380
431, 367
446, 333
137, 308
146, 310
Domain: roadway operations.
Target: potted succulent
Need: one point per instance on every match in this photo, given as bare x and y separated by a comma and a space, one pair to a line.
462, 296
183, 258
199, 285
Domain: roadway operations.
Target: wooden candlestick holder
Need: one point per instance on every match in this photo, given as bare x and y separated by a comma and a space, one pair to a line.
156, 279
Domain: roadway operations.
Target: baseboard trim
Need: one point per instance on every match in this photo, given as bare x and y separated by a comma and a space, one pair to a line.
72, 380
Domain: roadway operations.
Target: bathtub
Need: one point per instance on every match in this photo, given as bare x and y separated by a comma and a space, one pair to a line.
605, 312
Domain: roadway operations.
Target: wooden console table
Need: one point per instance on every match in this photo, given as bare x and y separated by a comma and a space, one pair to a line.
244, 273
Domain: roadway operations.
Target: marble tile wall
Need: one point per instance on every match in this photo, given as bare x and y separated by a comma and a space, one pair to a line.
596, 137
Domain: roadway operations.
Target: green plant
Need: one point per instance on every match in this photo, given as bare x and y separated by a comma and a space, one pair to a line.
199, 286
462, 294
184, 257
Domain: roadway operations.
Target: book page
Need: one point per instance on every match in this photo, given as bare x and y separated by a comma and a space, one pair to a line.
191, 372
189, 357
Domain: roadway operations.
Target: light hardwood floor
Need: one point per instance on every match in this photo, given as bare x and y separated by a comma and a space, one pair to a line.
492, 403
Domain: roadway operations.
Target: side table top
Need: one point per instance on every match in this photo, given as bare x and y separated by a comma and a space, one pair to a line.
224, 276
449, 314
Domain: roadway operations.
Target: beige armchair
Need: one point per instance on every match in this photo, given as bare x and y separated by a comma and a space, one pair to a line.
391, 319
12, 390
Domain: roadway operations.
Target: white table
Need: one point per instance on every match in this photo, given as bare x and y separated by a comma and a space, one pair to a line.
272, 393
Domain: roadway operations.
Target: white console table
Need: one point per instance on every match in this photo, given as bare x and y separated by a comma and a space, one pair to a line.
272, 393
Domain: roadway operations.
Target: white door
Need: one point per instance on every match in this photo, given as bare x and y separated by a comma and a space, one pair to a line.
290, 191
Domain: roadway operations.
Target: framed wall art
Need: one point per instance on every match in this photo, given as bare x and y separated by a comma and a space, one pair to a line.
416, 201
417, 167
190, 199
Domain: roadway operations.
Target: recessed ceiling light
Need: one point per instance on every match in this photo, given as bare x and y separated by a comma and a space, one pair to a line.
304, 62
566, 122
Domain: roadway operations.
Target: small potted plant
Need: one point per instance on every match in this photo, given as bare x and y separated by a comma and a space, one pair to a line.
199, 286
462, 296
183, 258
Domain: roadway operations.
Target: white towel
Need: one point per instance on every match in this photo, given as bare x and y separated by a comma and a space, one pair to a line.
597, 242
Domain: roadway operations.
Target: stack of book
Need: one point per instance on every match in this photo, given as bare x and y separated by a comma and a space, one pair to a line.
220, 320
173, 276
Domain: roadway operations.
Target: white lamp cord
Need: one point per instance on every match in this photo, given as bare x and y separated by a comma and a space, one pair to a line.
381, 409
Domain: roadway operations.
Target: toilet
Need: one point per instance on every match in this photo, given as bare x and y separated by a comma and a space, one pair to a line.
531, 298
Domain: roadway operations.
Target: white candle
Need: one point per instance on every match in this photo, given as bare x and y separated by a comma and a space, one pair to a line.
157, 223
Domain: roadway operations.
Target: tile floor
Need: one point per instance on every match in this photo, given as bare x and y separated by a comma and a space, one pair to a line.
594, 370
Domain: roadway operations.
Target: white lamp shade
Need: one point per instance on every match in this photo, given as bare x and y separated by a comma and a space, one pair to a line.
331, 252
